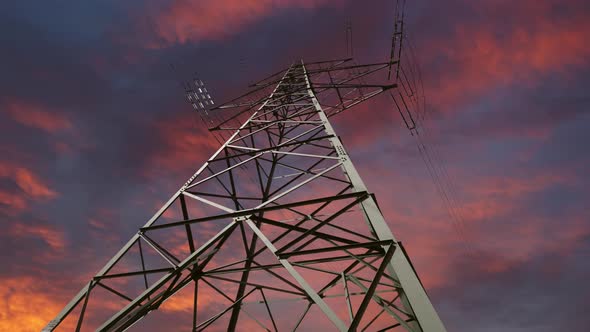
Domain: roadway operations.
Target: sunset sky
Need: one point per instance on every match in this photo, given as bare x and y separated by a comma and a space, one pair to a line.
95, 135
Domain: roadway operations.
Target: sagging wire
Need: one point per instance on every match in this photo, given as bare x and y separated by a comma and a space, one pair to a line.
413, 86
436, 150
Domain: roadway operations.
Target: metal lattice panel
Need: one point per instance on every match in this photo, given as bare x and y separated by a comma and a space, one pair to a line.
277, 227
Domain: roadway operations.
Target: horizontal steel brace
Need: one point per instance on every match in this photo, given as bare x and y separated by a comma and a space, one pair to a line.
134, 273
302, 262
368, 245
275, 147
242, 213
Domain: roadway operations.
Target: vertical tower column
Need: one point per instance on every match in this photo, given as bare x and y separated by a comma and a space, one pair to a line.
413, 294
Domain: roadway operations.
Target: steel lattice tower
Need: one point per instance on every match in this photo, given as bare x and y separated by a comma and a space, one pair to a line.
277, 226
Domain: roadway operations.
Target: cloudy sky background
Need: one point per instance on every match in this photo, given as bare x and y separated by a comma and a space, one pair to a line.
95, 135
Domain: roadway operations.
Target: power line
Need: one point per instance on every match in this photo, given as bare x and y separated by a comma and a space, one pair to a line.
436, 165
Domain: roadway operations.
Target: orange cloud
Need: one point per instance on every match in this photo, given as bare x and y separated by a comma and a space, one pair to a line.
484, 208
537, 43
13, 202
184, 146
35, 116
27, 305
27, 181
32, 184
492, 197
189, 21
184, 301
48, 234
514, 187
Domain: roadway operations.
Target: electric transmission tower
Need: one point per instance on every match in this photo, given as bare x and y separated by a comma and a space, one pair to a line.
276, 231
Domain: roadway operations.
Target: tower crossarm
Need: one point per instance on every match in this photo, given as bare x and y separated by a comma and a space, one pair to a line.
337, 84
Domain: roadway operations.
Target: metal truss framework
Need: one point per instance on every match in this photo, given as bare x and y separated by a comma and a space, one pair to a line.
277, 221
